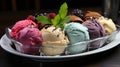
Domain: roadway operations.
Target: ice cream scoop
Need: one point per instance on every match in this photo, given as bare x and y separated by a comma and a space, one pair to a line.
92, 14
74, 18
76, 33
95, 28
19, 26
108, 24
54, 41
30, 39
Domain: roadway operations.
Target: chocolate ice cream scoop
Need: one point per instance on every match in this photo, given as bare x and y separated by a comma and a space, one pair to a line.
74, 18
93, 14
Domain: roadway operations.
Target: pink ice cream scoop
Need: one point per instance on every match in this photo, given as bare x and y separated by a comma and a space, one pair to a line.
31, 40
20, 25
95, 28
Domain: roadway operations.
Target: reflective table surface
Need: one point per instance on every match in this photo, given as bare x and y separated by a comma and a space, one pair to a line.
109, 58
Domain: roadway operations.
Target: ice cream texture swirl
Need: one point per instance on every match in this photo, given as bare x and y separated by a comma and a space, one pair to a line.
54, 41
76, 32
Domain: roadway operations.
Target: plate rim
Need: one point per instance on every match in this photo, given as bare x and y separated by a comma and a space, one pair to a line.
110, 45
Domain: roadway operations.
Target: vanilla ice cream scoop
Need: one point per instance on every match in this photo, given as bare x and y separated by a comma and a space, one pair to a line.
54, 41
108, 25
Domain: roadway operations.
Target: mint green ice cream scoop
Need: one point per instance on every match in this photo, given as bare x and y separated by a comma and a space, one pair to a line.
76, 33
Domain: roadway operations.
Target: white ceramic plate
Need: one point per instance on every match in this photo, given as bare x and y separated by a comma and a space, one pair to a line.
5, 43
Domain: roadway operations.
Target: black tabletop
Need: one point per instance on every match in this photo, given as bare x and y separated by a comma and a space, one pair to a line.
109, 58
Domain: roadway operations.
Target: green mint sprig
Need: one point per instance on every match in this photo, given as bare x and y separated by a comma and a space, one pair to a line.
59, 19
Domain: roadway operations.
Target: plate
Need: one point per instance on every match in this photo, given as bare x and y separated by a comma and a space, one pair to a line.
5, 43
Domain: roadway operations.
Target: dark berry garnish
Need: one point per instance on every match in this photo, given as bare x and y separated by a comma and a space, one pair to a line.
51, 15
78, 13
39, 24
41, 14
31, 17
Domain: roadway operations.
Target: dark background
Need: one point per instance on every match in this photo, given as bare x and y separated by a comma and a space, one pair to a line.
14, 10
7, 5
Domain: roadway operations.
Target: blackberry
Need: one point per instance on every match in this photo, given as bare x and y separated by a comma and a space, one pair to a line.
78, 13
41, 14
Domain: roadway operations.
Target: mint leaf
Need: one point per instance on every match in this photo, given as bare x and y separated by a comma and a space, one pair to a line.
61, 26
61, 23
64, 20
56, 20
43, 19
63, 10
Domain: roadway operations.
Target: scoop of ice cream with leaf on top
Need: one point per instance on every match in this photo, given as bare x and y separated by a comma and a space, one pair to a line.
54, 39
